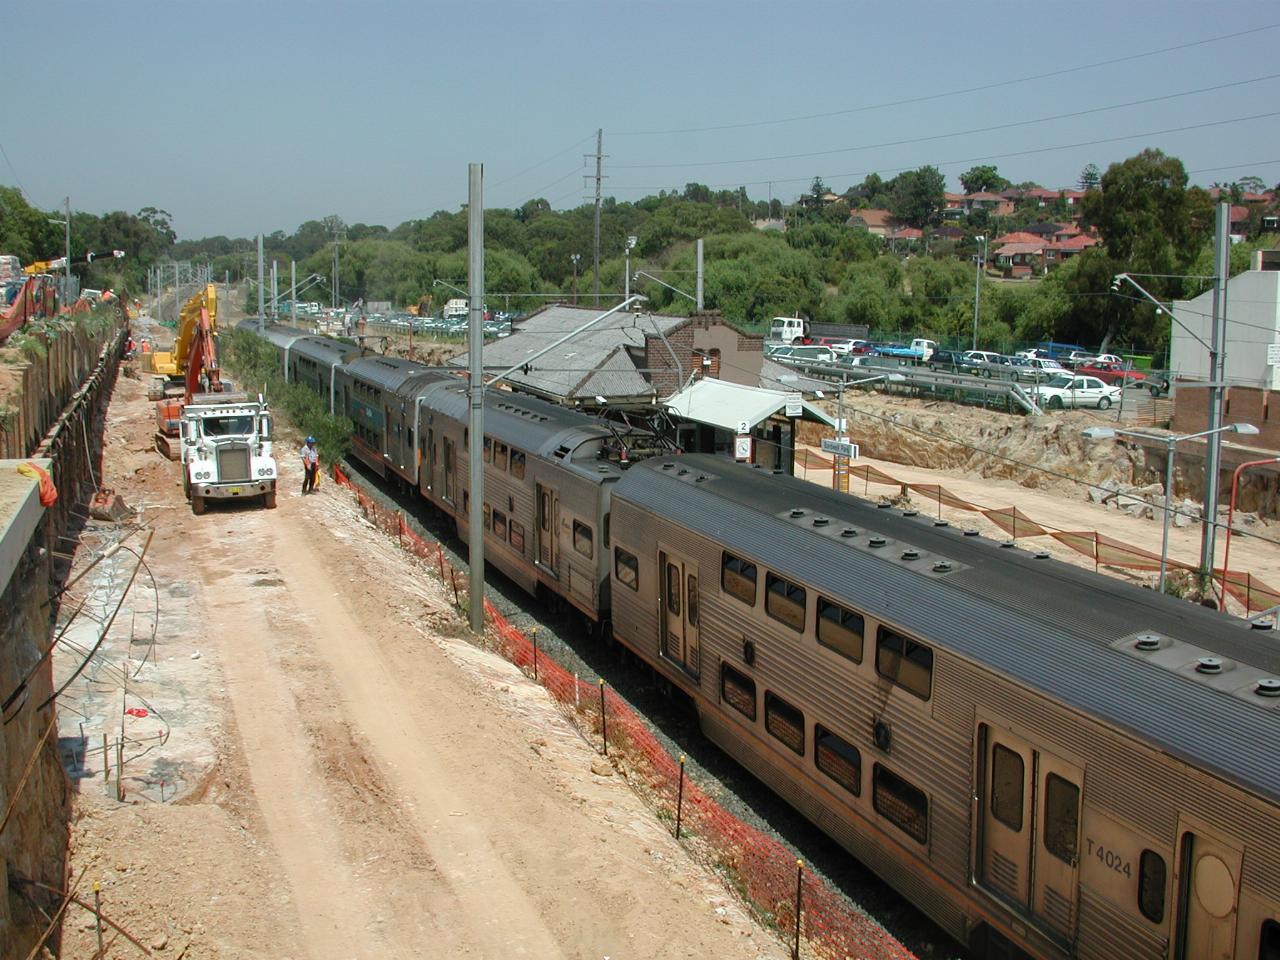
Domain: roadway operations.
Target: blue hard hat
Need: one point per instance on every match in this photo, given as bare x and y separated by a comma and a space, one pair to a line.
311, 439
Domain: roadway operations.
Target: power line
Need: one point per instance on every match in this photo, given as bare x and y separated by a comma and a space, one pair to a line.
947, 136
516, 176
13, 170
955, 93
993, 156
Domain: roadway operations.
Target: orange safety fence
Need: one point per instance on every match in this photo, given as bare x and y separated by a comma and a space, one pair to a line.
1248, 589
760, 868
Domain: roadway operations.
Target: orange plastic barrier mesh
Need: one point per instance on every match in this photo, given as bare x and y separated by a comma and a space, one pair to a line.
941, 495
760, 868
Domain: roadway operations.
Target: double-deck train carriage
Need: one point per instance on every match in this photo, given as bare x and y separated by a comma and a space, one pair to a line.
378, 395
314, 362
1034, 754
547, 476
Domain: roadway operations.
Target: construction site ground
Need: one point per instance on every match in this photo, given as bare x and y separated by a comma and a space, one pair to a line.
344, 775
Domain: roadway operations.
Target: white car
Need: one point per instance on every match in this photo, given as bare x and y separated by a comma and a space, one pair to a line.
1069, 391
1107, 358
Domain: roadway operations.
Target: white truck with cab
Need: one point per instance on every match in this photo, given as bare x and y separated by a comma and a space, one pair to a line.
226, 450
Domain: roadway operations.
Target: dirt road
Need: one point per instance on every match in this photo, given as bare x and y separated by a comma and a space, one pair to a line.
375, 786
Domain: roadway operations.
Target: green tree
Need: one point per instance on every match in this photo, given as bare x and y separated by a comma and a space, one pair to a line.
1090, 177
918, 197
983, 178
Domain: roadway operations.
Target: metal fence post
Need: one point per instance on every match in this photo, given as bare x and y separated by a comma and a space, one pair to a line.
680, 797
795, 950
604, 723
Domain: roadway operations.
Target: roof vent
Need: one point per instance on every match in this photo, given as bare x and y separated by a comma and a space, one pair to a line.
910, 513
699, 478
970, 532
602, 469
883, 505
797, 512
820, 521
1263, 623
942, 566
1147, 641
1268, 687
876, 542
1008, 544
777, 472
848, 532
1042, 555
668, 466
910, 554
1209, 665
683, 473
941, 523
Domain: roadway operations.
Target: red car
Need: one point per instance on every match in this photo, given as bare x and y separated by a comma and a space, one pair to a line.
1109, 372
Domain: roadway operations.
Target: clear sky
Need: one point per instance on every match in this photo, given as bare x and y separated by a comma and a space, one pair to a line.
240, 117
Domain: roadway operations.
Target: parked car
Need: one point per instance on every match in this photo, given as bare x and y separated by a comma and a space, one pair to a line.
841, 346
1109, 358
1075, 391
950, 360
809, 353
1109, 372
983, 362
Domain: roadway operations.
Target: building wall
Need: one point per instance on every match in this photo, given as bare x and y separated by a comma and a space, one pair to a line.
1253, 323
1252, 405
741, 355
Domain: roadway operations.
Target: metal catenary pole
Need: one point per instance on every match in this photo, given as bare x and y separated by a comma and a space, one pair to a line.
595, 283
1217, 386
262, 306
698, 289
293, 291
66, 291
475, 346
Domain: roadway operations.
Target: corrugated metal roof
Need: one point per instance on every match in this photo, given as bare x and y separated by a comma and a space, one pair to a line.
390, 373
1044, 623
726, 406
568, 370
324, 350
273, 333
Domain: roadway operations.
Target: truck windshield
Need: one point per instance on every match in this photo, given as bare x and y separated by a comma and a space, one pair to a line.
228, 426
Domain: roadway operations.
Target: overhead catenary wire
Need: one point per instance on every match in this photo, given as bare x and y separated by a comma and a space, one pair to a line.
964, 91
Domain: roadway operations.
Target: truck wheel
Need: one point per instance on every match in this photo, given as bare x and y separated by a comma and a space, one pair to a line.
186, 485
1104, 403
269, 500
1154, 390
197, 505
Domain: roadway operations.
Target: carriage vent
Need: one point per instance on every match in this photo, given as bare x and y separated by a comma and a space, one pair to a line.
562, 451
1204, 667
884, 549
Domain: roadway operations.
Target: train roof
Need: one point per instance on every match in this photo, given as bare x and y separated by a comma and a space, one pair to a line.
324, 350
1073, 634
534, 425
389, 373
274, 333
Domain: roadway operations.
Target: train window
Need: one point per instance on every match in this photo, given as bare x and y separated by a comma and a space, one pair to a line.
1061, 818
626, 568
693, 600
738, 578
499, 525
1269, 941
604, 537
1151, 883
500, 456
904, 661
516, 530
582, 539
784, 601
840, 629
784, 722
838, 759
738, 690
904, 805
1007, 770
488, 518
673, 590
517, 465
488, 450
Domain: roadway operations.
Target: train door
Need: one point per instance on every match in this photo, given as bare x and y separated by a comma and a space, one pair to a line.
548, 508
1208, 887
679, 598
427, 460
1030, 829
450, 480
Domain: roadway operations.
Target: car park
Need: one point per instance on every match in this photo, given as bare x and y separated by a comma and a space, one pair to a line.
1075, 391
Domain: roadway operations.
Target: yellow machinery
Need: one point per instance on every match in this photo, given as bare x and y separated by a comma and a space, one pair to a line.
173, 364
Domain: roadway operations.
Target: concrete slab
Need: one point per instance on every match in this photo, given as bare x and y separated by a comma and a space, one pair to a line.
20, 512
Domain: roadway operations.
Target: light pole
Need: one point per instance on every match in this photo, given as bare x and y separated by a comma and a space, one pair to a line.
626, 273
574, 258
1105, 433
66, 266
979, 262
1231, 512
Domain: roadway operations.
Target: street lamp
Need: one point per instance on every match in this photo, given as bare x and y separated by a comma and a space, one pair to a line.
1106, 433
1231, 512
626, 273
979, 262
574, 258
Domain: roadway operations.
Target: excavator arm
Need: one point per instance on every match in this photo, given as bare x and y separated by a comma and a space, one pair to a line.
201, 311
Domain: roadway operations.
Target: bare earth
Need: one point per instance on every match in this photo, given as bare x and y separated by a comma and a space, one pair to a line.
352, 778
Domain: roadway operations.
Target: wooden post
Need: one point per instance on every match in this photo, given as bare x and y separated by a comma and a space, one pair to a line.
680, 798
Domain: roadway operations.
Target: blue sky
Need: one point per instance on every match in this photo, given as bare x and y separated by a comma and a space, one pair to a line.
242, 117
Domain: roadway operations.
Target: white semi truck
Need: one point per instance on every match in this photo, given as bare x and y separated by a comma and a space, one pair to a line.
226, 449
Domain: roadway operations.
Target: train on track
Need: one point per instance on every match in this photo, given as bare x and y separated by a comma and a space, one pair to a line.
1046, 761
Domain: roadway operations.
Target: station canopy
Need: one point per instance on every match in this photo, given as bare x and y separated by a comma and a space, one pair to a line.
728, 406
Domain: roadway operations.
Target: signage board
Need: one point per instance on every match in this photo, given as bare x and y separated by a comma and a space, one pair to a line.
742, 448
1273, 354
841, 448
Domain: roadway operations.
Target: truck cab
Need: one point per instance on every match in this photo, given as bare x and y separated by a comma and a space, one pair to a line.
793, 330
226, 450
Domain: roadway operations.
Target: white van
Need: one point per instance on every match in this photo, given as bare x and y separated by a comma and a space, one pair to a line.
456, 309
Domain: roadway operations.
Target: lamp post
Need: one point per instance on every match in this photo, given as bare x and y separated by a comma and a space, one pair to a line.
1231, 512
626, 273
574, 258
978, 262
1105, 433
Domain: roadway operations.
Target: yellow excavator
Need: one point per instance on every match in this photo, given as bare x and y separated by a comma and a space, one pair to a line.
192, 365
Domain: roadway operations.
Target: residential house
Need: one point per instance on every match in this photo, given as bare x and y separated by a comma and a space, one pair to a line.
993, 203
954, 206
1059, 250
878, 222
1020, 260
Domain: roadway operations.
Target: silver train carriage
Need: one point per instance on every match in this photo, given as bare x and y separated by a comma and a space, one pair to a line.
1043, 759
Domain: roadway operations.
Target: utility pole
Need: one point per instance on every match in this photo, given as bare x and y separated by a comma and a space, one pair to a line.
177, 295
475, 358
275, 290
66, 293
626, 273
262, 309
293, 291
595, 283
978, 260
1217, 387
698, 289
